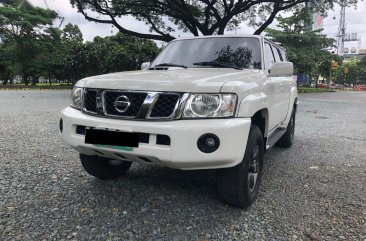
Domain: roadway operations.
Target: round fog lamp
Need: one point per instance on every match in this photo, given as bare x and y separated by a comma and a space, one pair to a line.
208, 143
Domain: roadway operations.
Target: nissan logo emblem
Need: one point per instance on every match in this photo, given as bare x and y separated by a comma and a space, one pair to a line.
122, 104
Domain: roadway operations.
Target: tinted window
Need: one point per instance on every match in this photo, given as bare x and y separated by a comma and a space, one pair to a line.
243, 53
268, 55
278, 54
284, 56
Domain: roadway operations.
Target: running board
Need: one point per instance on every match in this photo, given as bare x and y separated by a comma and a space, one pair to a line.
275, 136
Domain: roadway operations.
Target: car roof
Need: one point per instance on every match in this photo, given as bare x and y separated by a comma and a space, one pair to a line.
261, 37
222, 36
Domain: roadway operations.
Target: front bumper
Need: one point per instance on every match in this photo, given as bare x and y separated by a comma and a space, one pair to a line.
182, 153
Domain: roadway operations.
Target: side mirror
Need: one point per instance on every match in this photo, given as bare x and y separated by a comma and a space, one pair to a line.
281, 69
145, 65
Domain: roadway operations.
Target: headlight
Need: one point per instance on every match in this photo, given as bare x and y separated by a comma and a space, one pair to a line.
76, 97
210, 106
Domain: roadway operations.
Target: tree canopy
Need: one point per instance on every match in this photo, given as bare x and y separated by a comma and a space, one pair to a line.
306, 49
199, 17
32, 48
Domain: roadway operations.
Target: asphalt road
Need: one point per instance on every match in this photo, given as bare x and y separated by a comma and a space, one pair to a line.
315, 190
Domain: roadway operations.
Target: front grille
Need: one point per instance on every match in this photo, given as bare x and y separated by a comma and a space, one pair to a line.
131, 105
165, 105
90, 101
136, 100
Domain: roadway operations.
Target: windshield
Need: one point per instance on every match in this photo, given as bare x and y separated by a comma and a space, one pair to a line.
235, 52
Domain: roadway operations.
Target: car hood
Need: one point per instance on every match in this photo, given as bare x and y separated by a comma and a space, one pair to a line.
172, 79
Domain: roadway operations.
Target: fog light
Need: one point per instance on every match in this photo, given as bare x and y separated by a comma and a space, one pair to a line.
61, 125
208, 143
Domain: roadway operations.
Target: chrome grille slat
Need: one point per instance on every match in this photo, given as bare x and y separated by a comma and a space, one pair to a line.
164, 105
136, 99
143, 105
90, 101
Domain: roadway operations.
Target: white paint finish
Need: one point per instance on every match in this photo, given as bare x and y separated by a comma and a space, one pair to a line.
256, 90
183, 152
293, 97
173, 79
281, 69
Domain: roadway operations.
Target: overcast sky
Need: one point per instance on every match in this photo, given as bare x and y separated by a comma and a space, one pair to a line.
356, 22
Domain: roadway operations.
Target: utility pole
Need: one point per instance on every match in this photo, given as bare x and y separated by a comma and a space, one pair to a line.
310, 10
60, 17
341, 28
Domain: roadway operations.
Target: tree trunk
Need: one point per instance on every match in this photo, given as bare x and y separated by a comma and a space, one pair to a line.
25, 79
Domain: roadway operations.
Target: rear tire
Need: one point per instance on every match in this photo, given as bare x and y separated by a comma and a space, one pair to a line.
238, 186
104, 168
288, 138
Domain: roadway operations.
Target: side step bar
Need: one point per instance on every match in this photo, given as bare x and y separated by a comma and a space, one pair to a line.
275, 136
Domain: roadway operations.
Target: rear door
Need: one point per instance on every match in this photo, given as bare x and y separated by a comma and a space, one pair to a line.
285, 84
274, 90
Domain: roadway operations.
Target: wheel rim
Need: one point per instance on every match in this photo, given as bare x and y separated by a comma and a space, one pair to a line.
115, 162
253, 169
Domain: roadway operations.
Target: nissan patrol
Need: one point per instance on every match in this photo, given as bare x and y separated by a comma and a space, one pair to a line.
212, 102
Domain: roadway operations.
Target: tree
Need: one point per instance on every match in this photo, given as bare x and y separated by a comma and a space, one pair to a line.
109, 54
71, 35
8, 62
21, 23
199, 17
49, 57
362, 67
306, 49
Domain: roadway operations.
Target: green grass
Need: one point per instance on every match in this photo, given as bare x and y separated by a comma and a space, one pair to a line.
44, 84
312, 90
35, 87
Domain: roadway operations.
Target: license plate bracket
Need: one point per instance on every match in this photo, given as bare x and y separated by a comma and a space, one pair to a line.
111, 138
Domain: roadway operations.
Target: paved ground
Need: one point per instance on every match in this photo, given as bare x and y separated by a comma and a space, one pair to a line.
314, 191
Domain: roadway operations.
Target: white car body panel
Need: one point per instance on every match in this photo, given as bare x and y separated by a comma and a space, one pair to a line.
255, 89
181, 154
193, 80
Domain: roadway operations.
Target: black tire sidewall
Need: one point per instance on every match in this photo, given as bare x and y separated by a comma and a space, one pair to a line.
254, 136
232, 183
101, 168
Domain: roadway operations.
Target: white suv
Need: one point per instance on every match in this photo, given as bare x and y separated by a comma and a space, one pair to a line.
214, 102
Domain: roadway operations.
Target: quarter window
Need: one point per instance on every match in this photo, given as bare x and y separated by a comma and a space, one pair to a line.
278, 54
268, 55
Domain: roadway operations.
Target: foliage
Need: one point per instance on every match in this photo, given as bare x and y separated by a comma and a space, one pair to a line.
306, 49
32, 48
352, 71
109, 54
21, 24
199, 17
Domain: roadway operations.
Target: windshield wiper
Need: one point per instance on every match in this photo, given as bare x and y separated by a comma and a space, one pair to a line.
170, 65
216, 64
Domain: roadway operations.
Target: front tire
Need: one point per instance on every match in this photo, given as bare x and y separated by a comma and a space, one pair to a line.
104, 168
238, 186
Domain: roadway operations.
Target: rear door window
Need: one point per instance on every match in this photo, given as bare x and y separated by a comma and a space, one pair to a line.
278, 54
268, 55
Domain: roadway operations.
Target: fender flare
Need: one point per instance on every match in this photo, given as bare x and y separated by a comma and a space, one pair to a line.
252, 104
293, 100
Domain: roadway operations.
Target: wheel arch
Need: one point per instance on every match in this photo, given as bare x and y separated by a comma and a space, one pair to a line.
255, 106
260, 119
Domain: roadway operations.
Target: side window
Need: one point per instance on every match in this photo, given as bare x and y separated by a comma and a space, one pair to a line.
284, 55
268, 55
278, 54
